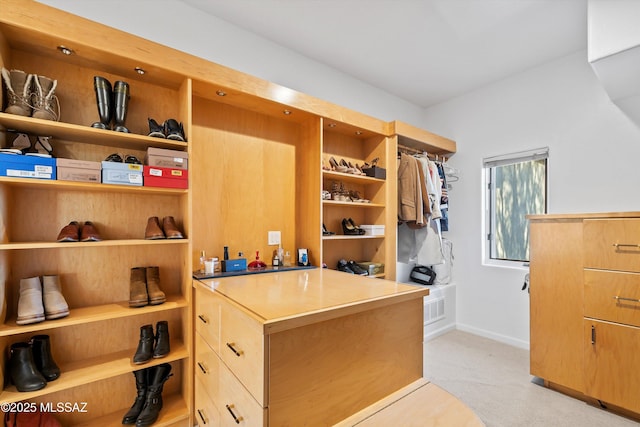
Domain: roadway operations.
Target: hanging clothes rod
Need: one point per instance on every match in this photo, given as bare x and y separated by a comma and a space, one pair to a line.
410, 150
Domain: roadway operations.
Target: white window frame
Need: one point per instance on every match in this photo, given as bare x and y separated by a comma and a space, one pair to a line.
488, 172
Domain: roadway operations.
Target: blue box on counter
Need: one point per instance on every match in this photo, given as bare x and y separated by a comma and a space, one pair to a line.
239, 264
121, 173
21, 166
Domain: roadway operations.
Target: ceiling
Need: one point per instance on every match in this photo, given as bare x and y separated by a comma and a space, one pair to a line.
423, 51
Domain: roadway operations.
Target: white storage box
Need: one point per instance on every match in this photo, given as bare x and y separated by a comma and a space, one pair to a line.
373, 230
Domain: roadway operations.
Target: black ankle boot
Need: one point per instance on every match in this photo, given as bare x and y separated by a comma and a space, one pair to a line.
162, 340
141, 386
41, 347
120, 103
145, 345
104, 99
158, 375
22, 368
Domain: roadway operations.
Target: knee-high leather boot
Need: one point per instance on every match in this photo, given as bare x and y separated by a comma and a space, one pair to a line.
141, 386
120, 104
104, 99
158, 375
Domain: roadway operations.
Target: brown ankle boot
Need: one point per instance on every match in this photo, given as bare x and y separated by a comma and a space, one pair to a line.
171, 229
153, 230
156, 296
138, 288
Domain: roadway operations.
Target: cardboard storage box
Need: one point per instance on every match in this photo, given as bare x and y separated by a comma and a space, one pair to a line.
372, 267
21, 166
78, 170
373, 230
166, 158
155, 176
375, 172
121, 173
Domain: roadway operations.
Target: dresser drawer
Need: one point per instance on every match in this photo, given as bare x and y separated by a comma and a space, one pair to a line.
612, 296
612, 244
208, 317
207, 367
206, 413
242, 349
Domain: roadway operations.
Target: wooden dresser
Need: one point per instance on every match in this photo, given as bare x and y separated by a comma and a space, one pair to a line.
585, 306
308, 347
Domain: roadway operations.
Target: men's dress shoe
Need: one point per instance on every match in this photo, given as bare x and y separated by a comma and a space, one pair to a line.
162, 340
89, 233
138, 288
156, 296
174, 130
41, 348
153, 230
145, 345
55, 306
70, 232
30, 308
171, 229
22, 368
156, 130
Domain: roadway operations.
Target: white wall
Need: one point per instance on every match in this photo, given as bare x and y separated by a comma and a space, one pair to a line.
593, 167
177, 25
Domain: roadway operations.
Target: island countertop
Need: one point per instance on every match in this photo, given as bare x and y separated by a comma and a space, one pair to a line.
289, 299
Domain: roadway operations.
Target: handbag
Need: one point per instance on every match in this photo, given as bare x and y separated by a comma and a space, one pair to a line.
423, 275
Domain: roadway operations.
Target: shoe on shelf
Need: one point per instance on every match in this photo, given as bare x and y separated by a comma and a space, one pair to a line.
30, 307
357, 228
138, 296
162, 347
344, 267
326, 232
349, 228
22, 368
89, 233
70, 232
170, 228
156, 130
158, 375
55, 306
174, 130
155, 294
153, 230
144, 351
41, 348
357, 269
141, 377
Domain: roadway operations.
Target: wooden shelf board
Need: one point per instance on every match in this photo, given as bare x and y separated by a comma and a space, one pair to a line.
343, 237
87, 186
103, 243
86, 134
173, 410
94, 369
349, 177
79, 316
353, 204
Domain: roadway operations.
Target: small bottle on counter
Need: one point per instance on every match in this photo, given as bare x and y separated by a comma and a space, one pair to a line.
287, 259
276, 260
202, 259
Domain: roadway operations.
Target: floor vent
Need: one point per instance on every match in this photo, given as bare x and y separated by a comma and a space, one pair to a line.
433, 310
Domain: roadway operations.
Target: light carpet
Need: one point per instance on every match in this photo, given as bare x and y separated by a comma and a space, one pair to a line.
493, 379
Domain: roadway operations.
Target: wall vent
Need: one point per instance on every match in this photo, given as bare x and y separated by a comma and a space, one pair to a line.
433, 310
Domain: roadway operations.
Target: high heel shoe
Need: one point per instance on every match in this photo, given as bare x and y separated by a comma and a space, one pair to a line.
346, 166
359, 230
326, 232
349, 229
336, 166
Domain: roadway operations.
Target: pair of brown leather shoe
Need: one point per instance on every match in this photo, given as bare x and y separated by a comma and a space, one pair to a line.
144, 287
76, 232
169, 229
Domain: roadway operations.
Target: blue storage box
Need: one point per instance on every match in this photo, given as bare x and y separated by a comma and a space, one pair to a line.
121, 173
238, 264
21, 166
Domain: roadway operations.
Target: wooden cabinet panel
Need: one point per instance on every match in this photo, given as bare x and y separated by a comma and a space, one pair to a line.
612, 360
612, 296
207, 414
207, 318
612, 244
556, 302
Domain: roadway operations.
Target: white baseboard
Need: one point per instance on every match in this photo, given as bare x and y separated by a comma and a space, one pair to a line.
493, 336
440, 331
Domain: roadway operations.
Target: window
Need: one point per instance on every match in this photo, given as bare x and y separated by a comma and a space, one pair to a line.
516, 187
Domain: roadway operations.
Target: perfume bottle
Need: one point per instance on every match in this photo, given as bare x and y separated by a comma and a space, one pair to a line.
287, 259
202, 259
257, 264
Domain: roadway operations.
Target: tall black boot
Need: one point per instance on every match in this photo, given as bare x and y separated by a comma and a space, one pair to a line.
145, 345
41, 347
104, 99
141, 386
22, 368
120, 103
162, 340
158, 375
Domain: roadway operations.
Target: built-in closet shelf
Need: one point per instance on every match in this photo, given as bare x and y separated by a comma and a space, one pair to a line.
349, 177
352, 204
97, 313
103, 243
94, 369
343, 237
47, 184
173, 411
85, 134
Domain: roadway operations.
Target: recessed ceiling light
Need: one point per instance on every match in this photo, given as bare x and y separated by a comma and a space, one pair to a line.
65, 50
358, 132
287, 112
331, 125
140, 70
221, 93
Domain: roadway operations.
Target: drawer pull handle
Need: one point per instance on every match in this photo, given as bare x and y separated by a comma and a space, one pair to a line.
626, 245
593, 334
202, 368
235, 418
203, 319
204, 419
617, 298
231, 346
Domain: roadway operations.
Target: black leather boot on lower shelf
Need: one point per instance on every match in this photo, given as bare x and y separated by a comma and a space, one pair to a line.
22, 368
162, 340
158, 375
145, 345
41, 347
141, 386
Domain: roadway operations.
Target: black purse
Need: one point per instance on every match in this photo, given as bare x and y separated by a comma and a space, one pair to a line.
423, 275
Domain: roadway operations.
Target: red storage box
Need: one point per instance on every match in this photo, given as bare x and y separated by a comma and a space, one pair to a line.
155, 176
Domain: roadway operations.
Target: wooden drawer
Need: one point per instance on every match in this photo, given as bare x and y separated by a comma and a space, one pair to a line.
612, 296
206, 413
612, 244
208, 317
242, 349
206, 367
